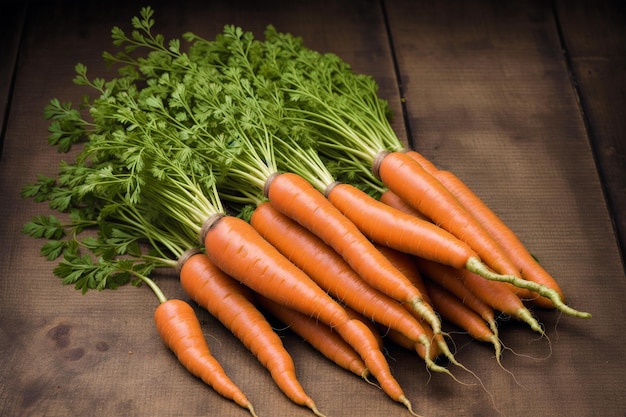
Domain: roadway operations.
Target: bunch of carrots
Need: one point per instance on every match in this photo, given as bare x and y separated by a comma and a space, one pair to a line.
267, 164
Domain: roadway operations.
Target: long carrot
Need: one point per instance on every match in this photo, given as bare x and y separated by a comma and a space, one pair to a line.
318, 215
328, 269
231, 303
238, 250
405, 177
180, 330
494, 294
318, 335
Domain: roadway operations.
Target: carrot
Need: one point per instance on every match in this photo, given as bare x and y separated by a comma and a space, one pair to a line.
318, 335
317, 214
231, 303
180, 330
328, 269
238, 250
453, 310
494, 294
405, 177
393, 228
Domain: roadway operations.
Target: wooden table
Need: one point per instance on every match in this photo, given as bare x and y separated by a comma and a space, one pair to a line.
523, 100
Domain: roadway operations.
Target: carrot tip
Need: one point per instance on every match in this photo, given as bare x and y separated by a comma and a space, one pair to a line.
405, 401
251, 409
526, 316
476, 266
427, 313
313, 408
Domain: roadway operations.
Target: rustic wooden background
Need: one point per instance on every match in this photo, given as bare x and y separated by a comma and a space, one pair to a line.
524, 100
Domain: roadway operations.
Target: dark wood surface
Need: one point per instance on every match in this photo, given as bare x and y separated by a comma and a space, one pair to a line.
523, 100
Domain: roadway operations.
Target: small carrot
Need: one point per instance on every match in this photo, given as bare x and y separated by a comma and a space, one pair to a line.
318, 335
180, 330
405, 177
231, 303
328, 269
494, 294
238, 250
453, 310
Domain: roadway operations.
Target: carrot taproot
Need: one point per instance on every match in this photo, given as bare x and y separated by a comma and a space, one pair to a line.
180, 330
318, 335
231, 303
317, 214
235, 247
455, 311
393, 228
494, 294
328, 269
405, 177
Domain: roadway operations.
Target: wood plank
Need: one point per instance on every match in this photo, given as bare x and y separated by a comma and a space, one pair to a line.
489, 97
11, 23
595, 40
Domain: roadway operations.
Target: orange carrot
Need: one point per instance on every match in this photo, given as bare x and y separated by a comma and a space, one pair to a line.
405, 177
495, 294
231, 303
180, 330
393, 228
453, 310
320, 262
237, 249
293, 196
318, 335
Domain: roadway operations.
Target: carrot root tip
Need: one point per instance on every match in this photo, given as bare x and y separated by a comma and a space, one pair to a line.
405, 401
476, 266
427, 313
526, 316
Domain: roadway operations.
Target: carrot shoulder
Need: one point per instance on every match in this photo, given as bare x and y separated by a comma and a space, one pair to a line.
293, 196
238, 250
230, 302
180, 330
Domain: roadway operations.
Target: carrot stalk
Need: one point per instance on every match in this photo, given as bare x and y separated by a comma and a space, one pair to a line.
232, 304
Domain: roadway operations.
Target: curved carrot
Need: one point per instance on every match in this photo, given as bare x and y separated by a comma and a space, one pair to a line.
452, 309
328, 269
393, 228
495, 294
180, 330
405, 177
318, 335
236, 248
230, 303
295, 197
